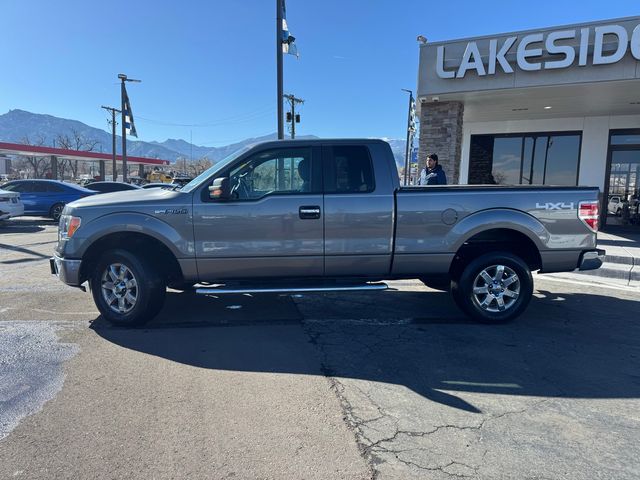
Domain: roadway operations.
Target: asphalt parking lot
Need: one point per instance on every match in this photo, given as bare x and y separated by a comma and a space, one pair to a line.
392, 385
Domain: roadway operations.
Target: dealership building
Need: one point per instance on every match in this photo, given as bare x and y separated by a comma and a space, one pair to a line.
554, 106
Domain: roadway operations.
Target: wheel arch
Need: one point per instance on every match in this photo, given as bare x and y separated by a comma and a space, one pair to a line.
139, 243
498, 236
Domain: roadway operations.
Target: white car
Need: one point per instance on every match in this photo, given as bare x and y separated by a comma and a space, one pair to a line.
10, 205
614, 206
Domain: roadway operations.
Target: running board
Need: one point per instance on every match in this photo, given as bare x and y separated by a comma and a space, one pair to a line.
319, 289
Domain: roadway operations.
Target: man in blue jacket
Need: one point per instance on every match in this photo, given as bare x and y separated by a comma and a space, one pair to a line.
433, 174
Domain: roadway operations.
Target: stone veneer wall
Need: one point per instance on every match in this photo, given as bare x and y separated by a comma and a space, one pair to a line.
441, 133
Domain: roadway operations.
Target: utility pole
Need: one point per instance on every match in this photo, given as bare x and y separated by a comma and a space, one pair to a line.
279, 66
123, 94
410, 129
291, 116
113, 124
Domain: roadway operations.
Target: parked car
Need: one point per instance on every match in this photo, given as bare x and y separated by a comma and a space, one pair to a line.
10, 205
46, 197
614, 207
108, 187
318, 216
181, 180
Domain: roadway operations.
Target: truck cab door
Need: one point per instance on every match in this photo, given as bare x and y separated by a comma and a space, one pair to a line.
358, 211
272, 226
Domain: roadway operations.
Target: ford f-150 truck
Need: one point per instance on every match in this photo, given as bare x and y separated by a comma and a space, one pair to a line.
317, 216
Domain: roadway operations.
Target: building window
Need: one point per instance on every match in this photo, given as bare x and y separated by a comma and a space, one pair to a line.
528, 158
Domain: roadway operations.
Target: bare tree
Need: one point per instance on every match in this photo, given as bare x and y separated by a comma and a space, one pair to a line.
196, 167
73, 141
39, 165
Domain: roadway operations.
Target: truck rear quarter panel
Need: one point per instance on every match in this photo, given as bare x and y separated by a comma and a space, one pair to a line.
434, 222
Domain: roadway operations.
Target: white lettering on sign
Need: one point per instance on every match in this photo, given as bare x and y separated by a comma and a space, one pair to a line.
471, 60
599, 58
442, 73
566, 50
496, 55
584, 47
635, 43
531, 48
524, 53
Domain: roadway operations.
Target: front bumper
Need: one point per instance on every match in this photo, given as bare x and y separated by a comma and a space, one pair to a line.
591, 259
66, 270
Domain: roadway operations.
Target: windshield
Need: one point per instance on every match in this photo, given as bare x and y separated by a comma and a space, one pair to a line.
189, 187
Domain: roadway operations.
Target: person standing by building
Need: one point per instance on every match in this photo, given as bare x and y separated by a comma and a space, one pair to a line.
433, 174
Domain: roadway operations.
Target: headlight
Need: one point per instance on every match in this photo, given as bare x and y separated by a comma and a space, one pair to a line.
68, 226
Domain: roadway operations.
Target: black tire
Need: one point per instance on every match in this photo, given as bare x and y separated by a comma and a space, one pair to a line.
437, 283
486, 307
56, 211
149, 290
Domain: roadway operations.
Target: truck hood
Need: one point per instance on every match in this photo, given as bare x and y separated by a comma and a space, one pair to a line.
130, 198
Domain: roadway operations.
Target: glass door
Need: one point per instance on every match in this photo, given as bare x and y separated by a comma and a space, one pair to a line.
621, 203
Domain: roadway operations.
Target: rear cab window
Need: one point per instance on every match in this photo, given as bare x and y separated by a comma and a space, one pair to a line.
348, 169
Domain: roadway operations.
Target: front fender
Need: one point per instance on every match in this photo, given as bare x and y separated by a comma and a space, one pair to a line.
179, 243
499, 218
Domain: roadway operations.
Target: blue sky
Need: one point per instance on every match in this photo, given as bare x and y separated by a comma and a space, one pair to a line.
208, 67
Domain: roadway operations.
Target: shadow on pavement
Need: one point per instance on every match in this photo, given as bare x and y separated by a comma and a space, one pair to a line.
26, 224
573, 345
6, 227
27, 251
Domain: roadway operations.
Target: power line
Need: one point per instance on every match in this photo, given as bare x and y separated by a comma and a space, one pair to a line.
233, 119
234, 140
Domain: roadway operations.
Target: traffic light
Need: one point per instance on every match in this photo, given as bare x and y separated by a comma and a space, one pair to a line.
297, 118
288, 117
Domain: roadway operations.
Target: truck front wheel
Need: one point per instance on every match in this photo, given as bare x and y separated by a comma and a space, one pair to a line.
494, 288
126, 288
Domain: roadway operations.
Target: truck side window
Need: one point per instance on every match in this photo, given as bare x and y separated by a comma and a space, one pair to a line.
283, 171
349, 170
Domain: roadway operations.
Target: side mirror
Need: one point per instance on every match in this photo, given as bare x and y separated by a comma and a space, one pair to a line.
220, 189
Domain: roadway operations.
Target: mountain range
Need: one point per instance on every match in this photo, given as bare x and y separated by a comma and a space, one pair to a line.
16, 126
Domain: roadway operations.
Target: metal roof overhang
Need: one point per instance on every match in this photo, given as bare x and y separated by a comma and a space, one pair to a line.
582, 100
63, 153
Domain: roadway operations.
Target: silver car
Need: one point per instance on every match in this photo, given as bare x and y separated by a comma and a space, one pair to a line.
10, 205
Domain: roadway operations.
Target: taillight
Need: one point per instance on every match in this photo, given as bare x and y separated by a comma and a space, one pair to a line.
589, 212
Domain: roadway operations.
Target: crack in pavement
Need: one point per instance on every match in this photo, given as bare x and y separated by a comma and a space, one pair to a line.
329, 338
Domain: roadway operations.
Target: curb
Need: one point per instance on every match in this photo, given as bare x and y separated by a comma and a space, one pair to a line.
620, 270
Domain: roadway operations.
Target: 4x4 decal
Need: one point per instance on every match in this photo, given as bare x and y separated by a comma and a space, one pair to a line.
556, 206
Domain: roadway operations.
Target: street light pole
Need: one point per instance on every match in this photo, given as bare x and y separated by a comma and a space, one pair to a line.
279, 67
123, 93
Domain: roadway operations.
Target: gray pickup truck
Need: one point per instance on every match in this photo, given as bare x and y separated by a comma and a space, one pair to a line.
319, 216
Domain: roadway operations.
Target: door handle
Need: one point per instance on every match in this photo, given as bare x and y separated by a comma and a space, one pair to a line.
309, 212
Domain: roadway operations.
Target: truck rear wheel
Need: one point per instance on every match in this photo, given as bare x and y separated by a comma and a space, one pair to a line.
493, 288
126, 288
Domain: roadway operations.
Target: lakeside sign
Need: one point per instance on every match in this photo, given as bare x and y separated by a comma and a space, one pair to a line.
551, 51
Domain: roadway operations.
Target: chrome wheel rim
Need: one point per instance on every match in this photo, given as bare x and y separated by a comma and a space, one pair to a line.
496, 288
119, 288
